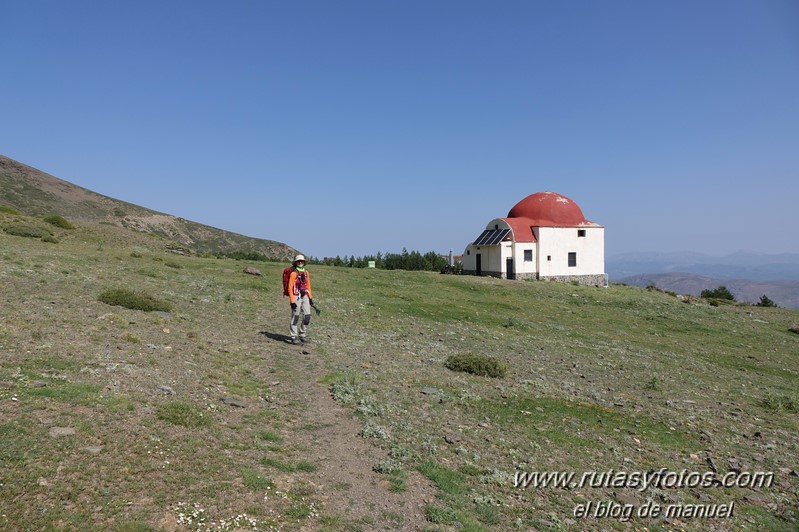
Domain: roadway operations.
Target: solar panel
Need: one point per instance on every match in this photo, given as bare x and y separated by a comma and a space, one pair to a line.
491, 237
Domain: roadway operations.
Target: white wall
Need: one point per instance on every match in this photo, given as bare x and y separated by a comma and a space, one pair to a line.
557, 242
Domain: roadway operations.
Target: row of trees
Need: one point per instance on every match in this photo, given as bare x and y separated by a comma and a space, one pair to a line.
407, 260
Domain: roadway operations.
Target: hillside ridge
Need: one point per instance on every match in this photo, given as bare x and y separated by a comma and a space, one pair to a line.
36, 193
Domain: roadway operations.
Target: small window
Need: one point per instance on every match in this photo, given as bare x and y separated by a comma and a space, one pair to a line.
580, 232
572, 259
549, 258
468, 252
528, 255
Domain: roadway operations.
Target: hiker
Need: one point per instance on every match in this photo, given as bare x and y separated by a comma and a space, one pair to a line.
301, 299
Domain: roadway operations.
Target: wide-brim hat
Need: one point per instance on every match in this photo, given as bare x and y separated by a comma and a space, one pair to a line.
299, 258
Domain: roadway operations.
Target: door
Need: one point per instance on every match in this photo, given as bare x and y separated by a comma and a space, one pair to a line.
479, 264
509, 268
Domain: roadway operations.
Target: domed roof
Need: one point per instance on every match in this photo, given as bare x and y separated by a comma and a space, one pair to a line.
549, 209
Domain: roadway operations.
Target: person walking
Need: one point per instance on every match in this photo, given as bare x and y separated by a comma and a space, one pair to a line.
301, 299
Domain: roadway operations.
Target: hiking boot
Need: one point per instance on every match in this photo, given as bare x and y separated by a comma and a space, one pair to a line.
295, 341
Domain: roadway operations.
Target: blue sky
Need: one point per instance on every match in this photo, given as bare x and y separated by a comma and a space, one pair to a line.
351, 127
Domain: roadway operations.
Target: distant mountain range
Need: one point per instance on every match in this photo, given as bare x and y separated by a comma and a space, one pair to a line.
35, 193
748, 275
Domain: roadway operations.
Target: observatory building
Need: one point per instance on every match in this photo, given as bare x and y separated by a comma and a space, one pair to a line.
544, 236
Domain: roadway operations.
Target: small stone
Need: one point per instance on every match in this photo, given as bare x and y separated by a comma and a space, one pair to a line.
93, 450
6, 385
429, 391
233, 402
452, 438
252, 271
38, 384
165, 389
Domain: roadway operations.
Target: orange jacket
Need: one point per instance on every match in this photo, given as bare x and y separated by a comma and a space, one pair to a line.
294, 288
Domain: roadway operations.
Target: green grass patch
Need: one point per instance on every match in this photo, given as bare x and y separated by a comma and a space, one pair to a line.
439, 515
68, 392
133, 299
449, 481
576, 425
256, 482
299, 511
268, 435
5, 209
183, 415
780, 403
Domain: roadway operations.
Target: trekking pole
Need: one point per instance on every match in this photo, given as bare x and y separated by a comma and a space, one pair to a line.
318, 312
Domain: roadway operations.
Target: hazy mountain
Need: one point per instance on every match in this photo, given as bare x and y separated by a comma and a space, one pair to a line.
783, 293
36, 193
739, 265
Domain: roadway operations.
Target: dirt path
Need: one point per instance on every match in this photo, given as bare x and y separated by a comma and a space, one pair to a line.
328, 434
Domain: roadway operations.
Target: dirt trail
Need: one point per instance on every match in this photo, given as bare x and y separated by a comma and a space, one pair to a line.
328, 434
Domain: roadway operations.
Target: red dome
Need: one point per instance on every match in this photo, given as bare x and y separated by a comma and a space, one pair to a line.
549, 208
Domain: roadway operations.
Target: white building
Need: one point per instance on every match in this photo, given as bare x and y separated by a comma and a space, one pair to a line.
544, 236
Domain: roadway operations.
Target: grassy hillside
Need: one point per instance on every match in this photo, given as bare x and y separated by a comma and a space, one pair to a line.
202, 417
35, 193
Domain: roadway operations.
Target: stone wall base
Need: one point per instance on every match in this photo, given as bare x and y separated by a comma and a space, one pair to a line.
598, 279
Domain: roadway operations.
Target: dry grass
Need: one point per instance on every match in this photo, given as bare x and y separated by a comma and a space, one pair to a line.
597, 379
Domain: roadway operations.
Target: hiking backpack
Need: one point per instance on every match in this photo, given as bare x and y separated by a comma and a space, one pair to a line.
286, 275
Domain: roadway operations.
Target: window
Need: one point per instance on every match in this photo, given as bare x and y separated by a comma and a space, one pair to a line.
528, 255
549, 258
572, 259
580, 232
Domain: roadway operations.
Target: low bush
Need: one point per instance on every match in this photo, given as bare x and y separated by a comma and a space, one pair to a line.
25, 230
5, 209
50, 238
477, 364
58, 221
135, 300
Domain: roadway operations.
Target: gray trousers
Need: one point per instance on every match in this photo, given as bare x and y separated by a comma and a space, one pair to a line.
300, 317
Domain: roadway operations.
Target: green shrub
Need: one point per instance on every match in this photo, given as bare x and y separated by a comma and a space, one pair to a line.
477, 364
135, 300
50, 238
765, 301
26, 230
719, 293
59, 221
9, 210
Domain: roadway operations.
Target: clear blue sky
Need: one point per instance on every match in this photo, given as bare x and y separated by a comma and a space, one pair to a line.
351, 127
